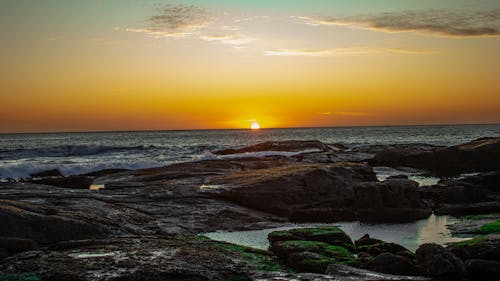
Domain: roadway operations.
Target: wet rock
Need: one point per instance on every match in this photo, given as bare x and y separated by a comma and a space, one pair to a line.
309, 262
290, 146
476, 194
483, 269
15, 245
22, 220
329, 234
436, 261
390, 200
392, 264
347, 273
284, 189
486, 248
475, 156
72, 182
374, 247
48, 173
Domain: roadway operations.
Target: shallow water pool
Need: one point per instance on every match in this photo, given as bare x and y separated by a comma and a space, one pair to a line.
431, 230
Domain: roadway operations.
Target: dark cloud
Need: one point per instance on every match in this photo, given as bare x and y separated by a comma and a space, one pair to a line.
449, 23
175, 21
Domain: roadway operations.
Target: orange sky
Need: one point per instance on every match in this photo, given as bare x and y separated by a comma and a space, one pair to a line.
131, 65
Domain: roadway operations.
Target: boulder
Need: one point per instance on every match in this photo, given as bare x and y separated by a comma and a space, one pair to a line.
436, 261
374, 247
486, 248
348, 273
282, 190
290, 146
329, 234
392, 264
321, 192
483, 269
476, 156
475, 194
394, 199
22, 220
48, 173
15, 245
72, 182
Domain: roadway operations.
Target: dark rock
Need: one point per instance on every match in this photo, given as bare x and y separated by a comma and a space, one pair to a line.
104, 172
48, 173
20, 220
436, 261
348, 273
392, 264
390, 200
328, 234
291, 146
483, 269
476, 194
283, 190
72, 182
487, 248
15, 245
374, 247
309, 262
476, 156
3, 253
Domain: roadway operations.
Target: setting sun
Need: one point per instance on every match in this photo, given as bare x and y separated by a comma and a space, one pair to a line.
255, 126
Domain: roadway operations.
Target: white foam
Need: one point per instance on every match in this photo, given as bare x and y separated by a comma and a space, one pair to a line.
261, 154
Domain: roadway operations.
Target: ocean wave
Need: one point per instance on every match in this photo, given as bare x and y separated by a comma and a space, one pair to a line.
66, 151
20, 171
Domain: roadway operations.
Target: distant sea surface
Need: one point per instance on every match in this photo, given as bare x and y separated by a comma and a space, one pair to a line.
77, 153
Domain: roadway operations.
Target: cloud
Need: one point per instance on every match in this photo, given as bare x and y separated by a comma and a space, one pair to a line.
350, 51
234, 40
459, 23
175, 21
344, 113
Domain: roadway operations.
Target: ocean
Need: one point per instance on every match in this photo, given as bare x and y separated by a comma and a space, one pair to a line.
77, 153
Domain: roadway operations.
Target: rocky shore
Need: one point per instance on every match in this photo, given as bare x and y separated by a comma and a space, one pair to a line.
146, 224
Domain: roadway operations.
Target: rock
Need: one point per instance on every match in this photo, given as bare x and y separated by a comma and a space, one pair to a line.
290, 146
347, 273
309, 262
73, 182
3, 253
15, 245
390, 200
282, 249
486, 248
476, 156
436, 261
476, 194
321, 192
21, 221
48, 173
285, 189
483, 269
392, 264
374, 247
329, 234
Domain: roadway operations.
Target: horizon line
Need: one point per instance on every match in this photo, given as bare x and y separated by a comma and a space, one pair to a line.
246, 129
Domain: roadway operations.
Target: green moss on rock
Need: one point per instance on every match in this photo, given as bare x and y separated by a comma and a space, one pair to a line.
20, 277
490, 228
327, 234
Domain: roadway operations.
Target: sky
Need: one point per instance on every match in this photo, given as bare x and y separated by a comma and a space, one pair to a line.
106, 65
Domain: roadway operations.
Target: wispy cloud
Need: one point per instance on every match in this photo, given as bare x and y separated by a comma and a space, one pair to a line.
459, 23
229, 39
350, 51
175, 21
344, 113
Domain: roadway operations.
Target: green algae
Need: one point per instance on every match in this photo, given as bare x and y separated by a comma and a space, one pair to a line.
470, 242
261, 259
490, 228
30, 276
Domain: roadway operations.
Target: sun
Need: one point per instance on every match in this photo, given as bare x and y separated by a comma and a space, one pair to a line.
255, 126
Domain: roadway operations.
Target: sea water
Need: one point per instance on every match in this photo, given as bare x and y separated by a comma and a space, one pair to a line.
410, 235
77, 153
